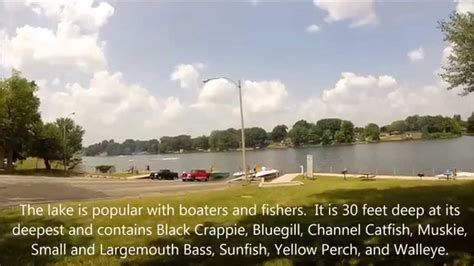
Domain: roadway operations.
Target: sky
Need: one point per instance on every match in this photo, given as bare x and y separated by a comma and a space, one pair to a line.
134, 69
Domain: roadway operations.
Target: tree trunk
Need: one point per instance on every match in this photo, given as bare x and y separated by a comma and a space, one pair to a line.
10, 161
47, 164
2, 158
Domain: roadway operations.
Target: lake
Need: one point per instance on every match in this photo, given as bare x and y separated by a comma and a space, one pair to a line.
400, 158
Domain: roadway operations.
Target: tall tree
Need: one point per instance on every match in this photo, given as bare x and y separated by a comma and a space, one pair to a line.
72, 135
18, 115
279, 133
326, 137
371, 132
47, 143
347, 129
459, 70
470, 124
300, 133
201, 143
255, 137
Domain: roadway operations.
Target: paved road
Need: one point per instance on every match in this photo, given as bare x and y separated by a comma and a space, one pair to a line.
35, 189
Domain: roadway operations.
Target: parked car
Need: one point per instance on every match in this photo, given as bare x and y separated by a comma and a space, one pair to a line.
164, 174
195, 175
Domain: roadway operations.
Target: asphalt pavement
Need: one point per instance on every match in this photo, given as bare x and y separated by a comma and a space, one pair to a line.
37, 189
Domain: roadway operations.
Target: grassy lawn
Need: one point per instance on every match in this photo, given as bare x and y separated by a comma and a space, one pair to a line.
325, 190
35, 166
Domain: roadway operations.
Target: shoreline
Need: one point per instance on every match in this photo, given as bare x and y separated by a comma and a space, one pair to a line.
283, 147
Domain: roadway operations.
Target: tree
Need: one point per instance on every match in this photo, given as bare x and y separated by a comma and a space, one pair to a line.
48, 143
51, 144
459, 70
200, 143
347, 129
326, 138
314, 134
18, 115
279, 133
300, 133
72, 135
222, 140
339, 137
371, 132
399, 125
255, 137
333, 124
470, 124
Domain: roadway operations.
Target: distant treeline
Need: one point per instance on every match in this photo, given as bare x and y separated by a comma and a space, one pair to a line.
323, 132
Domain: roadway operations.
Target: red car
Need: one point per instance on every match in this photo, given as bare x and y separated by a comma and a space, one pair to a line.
195, 174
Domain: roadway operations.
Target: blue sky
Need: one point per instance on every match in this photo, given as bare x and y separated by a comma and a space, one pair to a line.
269, 41
113, 63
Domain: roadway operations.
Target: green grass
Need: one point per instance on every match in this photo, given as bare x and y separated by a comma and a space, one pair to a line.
36, 163
14, 250
36, 167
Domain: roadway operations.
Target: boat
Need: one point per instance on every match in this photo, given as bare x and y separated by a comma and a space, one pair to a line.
446, 174
464, 174
219, 175
449, 173
250, 173
267, 173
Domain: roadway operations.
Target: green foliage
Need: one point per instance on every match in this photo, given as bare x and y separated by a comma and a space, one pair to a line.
57, 141
325, 131
178, 143
279, 133
338, 137
200, 143
47, 144
459, 71
303, 133
255, 137
332, 124
470, 124
347, 131
326, 138
398, 126
18, 115
73, 135
222, 140
371, 132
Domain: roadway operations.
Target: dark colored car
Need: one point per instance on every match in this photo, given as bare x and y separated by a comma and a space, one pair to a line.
164, 174
196, 175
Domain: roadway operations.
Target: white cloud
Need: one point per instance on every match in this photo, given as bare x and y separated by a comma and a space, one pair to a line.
109, 106
82, 13
382, 99
264, 96
360, 13
416, 55
73, 44
187, 74
313, 29
56, 81
258, 96
465, 6
219, 91
37, 48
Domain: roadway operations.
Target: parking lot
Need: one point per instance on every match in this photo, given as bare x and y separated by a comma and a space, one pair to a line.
36, 189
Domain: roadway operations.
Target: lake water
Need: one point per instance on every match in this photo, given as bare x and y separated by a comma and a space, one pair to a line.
400, 158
